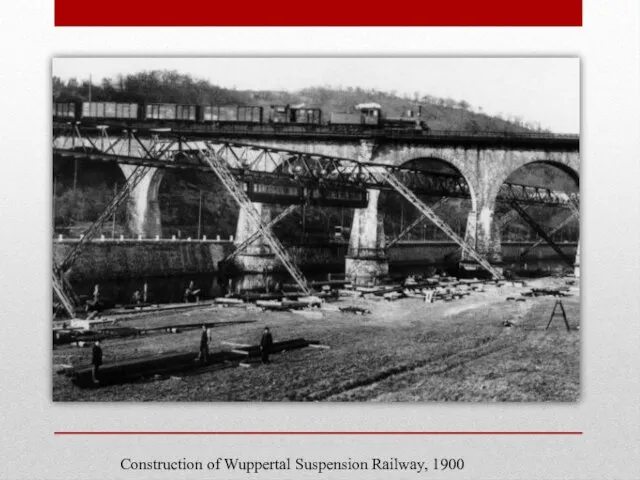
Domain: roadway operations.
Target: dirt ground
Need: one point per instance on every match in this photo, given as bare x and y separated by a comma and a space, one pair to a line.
405, 350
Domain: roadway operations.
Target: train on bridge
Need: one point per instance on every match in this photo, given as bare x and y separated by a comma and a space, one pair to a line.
365, 115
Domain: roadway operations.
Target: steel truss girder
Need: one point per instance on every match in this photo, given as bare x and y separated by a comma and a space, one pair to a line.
289, 167
540, 231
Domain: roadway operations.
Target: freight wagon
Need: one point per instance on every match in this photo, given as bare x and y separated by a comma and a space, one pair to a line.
65, 111
230, 113
110, 110
296, 119
298, 115
171, 111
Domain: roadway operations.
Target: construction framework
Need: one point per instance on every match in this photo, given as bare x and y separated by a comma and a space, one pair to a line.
234, 163
282, 167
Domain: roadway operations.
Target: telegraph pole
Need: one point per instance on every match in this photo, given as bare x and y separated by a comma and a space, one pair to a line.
113, 218
200, 217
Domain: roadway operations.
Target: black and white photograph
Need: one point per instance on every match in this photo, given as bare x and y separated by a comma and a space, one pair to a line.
316, 229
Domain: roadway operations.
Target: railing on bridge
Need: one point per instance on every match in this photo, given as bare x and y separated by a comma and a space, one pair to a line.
571, 141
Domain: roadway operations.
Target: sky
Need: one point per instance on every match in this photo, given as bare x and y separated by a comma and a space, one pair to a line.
544, 90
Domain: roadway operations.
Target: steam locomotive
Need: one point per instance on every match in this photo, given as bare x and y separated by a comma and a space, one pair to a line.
365, 115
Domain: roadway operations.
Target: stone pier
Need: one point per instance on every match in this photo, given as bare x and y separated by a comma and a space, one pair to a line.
257, 262
483, 234
366, 260
142, 205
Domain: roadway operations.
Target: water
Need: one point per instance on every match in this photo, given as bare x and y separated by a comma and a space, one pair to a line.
171, 289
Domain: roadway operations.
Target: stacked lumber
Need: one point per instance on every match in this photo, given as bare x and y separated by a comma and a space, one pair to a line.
65, 336
554, 292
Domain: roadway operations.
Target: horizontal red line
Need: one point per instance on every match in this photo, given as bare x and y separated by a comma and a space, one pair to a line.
327, 13
316, 433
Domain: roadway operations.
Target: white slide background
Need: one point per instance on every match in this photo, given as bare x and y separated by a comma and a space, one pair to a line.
608, 412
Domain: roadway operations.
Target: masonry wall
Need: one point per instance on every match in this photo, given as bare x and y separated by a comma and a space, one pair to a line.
127, 259
120, 261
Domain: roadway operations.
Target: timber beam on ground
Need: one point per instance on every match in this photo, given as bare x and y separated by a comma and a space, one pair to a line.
541, 232
172, 363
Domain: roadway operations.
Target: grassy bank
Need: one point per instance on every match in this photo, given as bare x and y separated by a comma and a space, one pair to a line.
404, 351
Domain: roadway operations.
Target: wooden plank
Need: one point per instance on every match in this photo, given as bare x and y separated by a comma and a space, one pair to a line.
234, 344
240, 352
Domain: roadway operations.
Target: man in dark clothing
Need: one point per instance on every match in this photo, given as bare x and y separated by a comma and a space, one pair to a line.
96, 360
265, 345
204, 345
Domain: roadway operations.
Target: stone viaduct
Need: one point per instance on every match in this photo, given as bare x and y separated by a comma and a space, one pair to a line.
485, 167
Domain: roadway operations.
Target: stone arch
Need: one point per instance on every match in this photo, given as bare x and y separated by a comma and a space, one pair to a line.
458, 159
468, 163
452, 168
568, 162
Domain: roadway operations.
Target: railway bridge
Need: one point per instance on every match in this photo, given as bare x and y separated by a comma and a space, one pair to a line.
481, 163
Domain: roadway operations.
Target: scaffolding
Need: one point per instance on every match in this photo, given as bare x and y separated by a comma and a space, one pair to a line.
540, 231
244, 245
430, 214
558, 227
416, 223
219, 167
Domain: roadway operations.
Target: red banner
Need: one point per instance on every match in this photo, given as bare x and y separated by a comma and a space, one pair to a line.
339, 13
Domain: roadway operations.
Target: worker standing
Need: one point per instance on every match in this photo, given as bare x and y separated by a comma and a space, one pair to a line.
265, 345
191, 294
94, 303
136, 298
96, 360
204, 346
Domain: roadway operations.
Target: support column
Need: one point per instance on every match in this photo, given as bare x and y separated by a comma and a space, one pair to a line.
483, 234
257, 263
143, 205
366, 260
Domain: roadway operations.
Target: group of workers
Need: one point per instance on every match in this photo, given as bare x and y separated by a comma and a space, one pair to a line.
266, 342
95, 303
